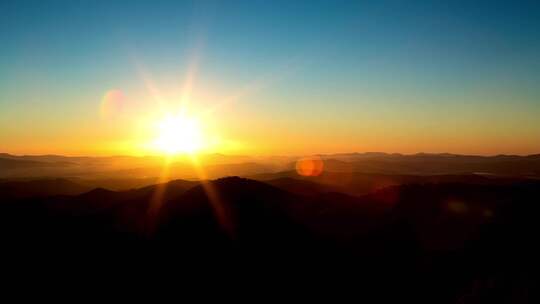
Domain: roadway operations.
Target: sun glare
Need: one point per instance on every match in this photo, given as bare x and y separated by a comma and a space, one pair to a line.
179, 134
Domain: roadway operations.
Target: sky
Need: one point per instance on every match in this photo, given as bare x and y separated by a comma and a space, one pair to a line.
271, 77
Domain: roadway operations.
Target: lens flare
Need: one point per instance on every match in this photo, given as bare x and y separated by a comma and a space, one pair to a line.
310, 166
458, 207
112, 103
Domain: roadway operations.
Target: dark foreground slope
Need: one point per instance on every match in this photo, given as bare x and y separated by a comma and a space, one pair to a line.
439, 243
19, 189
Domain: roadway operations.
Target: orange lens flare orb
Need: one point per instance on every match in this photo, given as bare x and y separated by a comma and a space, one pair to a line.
310, 166
457, 207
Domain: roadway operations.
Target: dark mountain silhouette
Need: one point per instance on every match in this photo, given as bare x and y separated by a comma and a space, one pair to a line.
116, 184
300, 186
42, 187
427, 242
357, 183
259, 212
422, 163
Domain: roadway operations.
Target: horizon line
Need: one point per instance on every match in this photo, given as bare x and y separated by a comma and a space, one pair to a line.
273, 155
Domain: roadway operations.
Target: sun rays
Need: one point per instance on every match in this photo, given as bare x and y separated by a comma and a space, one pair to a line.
178, 130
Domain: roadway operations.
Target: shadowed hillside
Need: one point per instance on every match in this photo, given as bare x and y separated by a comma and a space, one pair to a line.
357, 183
443, 237
43, 187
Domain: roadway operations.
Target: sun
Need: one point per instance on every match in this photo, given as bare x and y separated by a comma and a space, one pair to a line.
179, 134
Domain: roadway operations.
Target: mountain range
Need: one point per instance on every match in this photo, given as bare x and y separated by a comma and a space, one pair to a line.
431, 228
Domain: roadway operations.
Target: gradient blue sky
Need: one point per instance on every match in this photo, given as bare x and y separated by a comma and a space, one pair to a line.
320, 76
